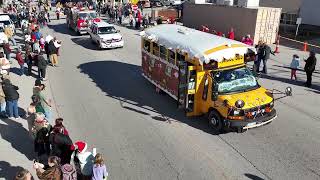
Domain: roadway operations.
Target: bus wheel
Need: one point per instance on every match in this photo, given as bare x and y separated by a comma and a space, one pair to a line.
215, 121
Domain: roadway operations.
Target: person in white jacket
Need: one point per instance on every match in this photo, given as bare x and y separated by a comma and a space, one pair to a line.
83, 158
295, 63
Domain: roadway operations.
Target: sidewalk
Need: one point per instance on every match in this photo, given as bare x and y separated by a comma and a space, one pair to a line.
16, 144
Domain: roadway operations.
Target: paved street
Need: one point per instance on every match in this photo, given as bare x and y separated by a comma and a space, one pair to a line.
106, 102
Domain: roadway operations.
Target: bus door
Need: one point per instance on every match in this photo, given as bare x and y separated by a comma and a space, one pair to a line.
187, 86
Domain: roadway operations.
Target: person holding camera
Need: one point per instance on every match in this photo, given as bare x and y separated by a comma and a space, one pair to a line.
53, 171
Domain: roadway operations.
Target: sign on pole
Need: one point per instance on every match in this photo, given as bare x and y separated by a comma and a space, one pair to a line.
299, 21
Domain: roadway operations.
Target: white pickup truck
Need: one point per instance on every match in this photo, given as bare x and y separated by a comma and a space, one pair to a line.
105, 35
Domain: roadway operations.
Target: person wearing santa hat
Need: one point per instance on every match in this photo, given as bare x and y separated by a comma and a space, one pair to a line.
84, 159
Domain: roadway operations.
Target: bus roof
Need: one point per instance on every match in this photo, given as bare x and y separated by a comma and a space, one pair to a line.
197, 44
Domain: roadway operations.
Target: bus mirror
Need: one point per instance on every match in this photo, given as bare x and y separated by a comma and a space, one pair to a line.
214, 96
215, 91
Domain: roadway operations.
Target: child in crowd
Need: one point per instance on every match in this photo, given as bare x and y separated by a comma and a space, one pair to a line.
42, 43
295, 63
99, 170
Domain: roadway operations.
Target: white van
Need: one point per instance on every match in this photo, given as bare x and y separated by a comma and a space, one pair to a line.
105, 35
3, 37
6, 21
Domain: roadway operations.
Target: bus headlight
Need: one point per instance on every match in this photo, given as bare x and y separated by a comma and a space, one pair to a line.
239, 104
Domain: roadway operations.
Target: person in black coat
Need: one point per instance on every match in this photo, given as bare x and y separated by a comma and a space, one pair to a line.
42, 66
52, 51
12, 97
266, 50
310, 67
61, 145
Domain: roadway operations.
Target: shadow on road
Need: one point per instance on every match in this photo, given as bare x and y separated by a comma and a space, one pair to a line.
19, 138
253, 177
289, 81
7, 171
85, 42
62, 28
124, 83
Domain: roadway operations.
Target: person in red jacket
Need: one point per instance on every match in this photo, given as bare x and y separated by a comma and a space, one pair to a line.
231, 34
20, 60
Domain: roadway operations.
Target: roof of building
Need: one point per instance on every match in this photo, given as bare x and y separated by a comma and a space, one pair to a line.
204, 46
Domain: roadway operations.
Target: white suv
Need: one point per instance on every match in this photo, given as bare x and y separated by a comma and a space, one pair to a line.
105, 35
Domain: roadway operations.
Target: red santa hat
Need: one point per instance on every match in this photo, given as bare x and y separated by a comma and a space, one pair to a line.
80, 146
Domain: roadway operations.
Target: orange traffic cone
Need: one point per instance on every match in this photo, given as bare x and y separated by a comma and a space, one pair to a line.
305, 46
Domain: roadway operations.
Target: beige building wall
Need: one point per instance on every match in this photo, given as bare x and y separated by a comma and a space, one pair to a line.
288, 6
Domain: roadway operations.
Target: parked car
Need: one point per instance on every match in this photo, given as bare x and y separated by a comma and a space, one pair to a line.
3, 37
5, 20
105, 35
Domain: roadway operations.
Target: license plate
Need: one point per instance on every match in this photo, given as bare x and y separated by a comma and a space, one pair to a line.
251, 124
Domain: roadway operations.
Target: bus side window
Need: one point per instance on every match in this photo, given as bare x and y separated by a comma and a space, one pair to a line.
205, 88
163, 52
180, 57
172, 57
146, 45
155, 49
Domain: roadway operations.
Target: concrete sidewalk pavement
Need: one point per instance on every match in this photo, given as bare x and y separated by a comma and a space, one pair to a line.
16, 144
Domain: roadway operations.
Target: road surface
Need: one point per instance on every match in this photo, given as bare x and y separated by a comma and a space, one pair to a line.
106, 102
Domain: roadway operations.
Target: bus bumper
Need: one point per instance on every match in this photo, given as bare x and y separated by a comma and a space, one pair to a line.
252, 123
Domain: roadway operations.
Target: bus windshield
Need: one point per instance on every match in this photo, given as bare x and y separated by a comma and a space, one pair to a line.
235, 80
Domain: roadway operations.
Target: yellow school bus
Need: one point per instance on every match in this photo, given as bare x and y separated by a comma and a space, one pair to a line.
207, 75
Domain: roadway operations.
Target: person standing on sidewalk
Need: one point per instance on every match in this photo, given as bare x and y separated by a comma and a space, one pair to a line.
3, 103
310, 67
295, 63
53, 172
45, 103
266, 50
9, 34
5, 65
29, 59
20, 60
7, 50
52, 51
23, 175
231, 34
99, 170
42, 67
12, 97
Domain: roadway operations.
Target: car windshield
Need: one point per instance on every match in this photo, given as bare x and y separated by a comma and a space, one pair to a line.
4, 23
107, 30
235, 80
87, 15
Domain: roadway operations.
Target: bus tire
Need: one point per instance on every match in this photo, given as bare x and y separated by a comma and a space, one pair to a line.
215, 121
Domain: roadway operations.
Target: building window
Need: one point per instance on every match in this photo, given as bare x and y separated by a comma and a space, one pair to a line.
288, 18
